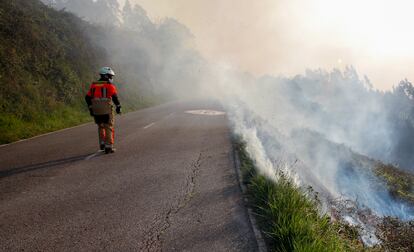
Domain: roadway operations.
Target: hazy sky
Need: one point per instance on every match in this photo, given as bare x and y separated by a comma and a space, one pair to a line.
288, 36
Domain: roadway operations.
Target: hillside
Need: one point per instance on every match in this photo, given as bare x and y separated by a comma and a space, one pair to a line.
46, 59
49, 56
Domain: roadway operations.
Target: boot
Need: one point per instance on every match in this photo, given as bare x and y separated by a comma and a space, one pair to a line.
109, 150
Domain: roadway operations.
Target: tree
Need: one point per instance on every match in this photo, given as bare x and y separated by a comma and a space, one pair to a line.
103, 12
136, 18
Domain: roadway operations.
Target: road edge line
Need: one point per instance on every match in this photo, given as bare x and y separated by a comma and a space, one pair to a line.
45, 134
76, 126
261, 244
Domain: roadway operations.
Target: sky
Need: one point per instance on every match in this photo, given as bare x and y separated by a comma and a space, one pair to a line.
285, 37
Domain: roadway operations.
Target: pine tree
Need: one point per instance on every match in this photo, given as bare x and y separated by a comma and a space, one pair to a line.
104, 12
136, 18
107, 13
127, 14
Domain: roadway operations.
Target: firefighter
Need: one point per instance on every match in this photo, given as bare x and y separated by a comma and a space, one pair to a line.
101, 98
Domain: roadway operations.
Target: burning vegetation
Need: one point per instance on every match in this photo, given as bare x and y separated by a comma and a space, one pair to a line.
400, 183
290, 217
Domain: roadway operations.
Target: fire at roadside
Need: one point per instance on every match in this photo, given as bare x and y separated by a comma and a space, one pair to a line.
384, 233
396, 234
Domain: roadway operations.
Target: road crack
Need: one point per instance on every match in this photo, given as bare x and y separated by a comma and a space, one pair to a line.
152, 238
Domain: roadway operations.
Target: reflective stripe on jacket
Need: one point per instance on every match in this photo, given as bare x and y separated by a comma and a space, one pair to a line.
100, 96
102, 89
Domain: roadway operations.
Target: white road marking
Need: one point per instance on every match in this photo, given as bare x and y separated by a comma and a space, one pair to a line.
206, 112
152, 124
93, 155
149, 125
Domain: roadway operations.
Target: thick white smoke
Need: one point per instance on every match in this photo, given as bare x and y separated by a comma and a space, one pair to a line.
328, 128
325, 130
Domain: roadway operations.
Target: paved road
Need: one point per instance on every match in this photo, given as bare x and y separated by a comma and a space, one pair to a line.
171, 186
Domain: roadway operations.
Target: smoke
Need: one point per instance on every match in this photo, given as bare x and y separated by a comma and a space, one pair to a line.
287, 36
326, 129
153, 60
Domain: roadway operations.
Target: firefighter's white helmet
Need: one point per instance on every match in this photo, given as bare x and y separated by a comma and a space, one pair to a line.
106, 71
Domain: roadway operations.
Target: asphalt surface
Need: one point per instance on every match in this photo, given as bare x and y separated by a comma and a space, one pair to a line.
171, 186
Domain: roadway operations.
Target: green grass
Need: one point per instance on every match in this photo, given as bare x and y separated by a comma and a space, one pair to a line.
289, 218
14, 128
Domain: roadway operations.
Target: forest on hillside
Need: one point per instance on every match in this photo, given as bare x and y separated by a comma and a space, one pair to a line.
45, 58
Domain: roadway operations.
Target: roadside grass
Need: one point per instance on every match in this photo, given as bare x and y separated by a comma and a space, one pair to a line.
288, 216
36, 122
14, 128
17, 126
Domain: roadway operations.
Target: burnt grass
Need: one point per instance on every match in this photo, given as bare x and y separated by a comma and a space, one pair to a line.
396, 234
400, 183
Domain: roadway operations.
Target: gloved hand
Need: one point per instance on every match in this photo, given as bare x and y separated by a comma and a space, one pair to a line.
118, 109
91, 111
